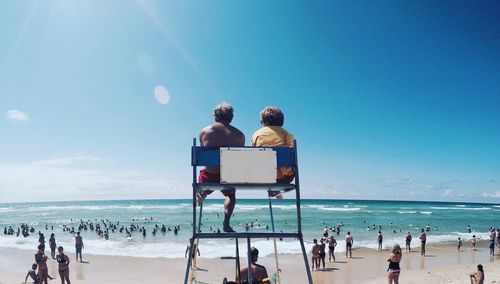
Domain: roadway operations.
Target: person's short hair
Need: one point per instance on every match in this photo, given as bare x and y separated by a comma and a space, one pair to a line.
480, 267
41, 247
60, 248
254, 251
272, 116
223, 113
315, 241
34, 266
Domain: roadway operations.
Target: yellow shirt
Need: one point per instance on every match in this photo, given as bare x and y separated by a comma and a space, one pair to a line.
274, 136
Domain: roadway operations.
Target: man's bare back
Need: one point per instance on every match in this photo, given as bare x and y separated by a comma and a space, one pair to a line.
221, 134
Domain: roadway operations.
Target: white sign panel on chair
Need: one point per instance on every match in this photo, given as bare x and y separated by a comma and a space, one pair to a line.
247, 165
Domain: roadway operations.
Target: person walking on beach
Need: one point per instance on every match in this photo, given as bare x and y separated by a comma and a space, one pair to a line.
322, 253
315, 255
477, 277
63, 265
349, 241
259, 272
41, 261
423, 240
379, 240
52, 244
459, 243
408, 242
394, 269
272, 134
220, 134
33, 275
332, 243
78, 246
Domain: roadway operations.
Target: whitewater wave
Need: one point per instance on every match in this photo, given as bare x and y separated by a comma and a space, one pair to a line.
331, 208
217, 248
461, 208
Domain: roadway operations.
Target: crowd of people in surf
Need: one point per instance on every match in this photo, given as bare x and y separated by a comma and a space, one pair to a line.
103, 228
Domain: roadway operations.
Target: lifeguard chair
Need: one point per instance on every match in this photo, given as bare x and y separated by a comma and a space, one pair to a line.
245, 168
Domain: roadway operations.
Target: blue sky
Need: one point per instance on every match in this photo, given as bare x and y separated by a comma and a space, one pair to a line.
388, 99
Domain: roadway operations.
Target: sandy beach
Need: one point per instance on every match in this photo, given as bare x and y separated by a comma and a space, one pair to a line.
443, 264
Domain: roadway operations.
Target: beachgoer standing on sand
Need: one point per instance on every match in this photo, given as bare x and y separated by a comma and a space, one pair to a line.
78, 246
221, 134
272, 134
52, 244
349, 241
459, 243
423, 240
477, 277
394, 269
41, 261
498, 238
315, 255
332, 243
473, 242
32, 273
322, 253
379, 240
408, 242
196, 251
259, 272
63, 265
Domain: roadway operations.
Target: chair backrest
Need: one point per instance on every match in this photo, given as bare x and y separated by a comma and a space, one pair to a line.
206, 156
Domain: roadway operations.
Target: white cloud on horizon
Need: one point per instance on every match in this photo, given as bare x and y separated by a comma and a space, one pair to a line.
16, 115
495, 194
82, 177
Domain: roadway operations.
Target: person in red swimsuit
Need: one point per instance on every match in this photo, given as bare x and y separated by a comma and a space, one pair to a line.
221, 134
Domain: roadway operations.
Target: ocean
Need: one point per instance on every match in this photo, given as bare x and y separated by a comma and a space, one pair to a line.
447, 222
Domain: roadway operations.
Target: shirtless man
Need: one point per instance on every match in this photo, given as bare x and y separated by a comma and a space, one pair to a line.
408, 242
221, 134
259, 272
349, 241
78, 246
315, 255
322, 253
32, 273
423, 240
380, 237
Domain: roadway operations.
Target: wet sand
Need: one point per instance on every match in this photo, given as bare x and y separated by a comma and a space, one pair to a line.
443, 264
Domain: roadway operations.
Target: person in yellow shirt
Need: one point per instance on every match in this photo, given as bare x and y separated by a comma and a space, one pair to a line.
272, 134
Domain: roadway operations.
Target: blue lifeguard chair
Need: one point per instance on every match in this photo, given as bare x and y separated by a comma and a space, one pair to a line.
260, 174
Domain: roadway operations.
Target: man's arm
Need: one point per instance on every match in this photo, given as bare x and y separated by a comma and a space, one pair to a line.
26, 279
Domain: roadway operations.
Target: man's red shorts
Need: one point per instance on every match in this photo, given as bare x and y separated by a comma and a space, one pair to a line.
213, 177
285, 179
